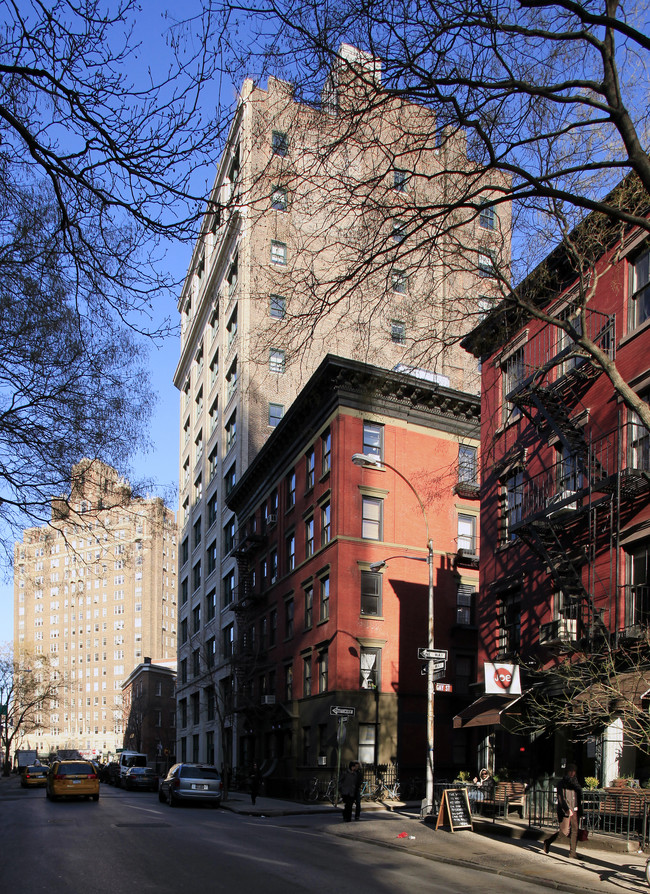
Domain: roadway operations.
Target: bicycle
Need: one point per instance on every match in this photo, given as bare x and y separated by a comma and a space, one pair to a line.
331, 792
385, 792
312, 790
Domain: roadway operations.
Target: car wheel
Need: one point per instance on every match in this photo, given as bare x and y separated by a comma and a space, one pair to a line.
171, 800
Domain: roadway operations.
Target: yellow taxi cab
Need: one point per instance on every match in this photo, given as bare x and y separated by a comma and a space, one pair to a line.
76, 779
34, 776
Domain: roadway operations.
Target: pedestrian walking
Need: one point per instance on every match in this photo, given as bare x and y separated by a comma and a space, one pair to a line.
358, 769
255, 780
569, 810
347, 787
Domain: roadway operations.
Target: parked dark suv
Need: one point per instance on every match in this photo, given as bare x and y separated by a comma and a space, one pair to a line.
191, 782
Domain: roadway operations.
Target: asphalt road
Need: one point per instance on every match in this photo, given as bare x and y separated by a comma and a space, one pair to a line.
128, 842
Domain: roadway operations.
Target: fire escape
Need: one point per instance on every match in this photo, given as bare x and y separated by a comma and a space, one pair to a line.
564, 514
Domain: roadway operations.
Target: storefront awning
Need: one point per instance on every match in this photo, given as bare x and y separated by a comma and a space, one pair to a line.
488, 710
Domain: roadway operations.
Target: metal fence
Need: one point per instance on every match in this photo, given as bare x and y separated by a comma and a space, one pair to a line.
624, 814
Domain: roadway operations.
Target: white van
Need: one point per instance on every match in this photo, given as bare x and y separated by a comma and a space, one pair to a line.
128, 759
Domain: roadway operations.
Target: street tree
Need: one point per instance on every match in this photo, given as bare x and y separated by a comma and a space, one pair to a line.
101, 153
547, 97
28, 687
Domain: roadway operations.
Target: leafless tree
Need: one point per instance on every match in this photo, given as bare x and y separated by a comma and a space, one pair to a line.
101, 160
549, 99
28, 685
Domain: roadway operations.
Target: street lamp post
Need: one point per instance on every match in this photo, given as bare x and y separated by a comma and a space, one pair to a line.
374, 462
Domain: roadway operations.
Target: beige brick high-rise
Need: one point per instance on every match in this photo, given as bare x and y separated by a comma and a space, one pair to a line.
95, 591
301, 198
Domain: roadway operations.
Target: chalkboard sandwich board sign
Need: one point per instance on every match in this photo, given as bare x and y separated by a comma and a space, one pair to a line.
454, 810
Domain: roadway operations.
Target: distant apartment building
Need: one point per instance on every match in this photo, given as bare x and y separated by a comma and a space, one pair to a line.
149, 700
284, 222
95, 591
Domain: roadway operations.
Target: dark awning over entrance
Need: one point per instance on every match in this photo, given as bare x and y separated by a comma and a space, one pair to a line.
488, 710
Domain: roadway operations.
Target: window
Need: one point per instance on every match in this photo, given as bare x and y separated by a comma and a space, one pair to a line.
277, 307
278, 252
291, 551
488, 217
231, 380
397, 332
276, 412
210, 703
212, 510
291, 489
326, 451
198, 488
639, 310
231, 278
309, 537
306, 676
196, 531
279, 199
196, 576
228, 634
398, 282
184, 670
210, 605
214, 368
228, 587
371, 583
184, 590
369, 663
467, 464
230, 479
371, 518
639, 442
183, 712
288, 682
464, 603
213, 462
367, 738
196, 619
273, 626
400, 180
637, 601
273, 566
399, 231
309, 607
486, 265
512, 375
467, 533
568, 471
464, 675
183, 630
231, 328
229, 535
325, 524
373, 439
514, 496
322, 671
196, 663
288, 618
185, 551
279, 143
276, 360
324, 612
309, 468
231, 431
509, 622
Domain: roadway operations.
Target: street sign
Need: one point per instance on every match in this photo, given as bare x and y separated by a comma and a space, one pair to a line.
433, 654
341, 711
444, 687
437, 667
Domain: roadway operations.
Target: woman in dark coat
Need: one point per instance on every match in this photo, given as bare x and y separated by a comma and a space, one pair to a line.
569, 810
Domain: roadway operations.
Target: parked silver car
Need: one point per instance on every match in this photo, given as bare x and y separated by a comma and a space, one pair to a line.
191, 782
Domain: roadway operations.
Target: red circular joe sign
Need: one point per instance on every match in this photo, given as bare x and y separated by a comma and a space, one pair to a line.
502, 677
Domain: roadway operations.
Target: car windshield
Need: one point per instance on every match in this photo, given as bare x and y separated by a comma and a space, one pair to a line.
199, 773
37, 771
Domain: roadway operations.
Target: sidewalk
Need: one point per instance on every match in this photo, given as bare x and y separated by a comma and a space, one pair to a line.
508, 849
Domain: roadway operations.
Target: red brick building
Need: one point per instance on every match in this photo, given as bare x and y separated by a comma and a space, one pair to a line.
149, 700
317, 626
565, 533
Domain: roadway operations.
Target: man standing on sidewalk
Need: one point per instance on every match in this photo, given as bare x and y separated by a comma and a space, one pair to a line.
569, 810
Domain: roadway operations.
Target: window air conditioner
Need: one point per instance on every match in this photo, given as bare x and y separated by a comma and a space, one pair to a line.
268, 699
272, 519
560, 498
